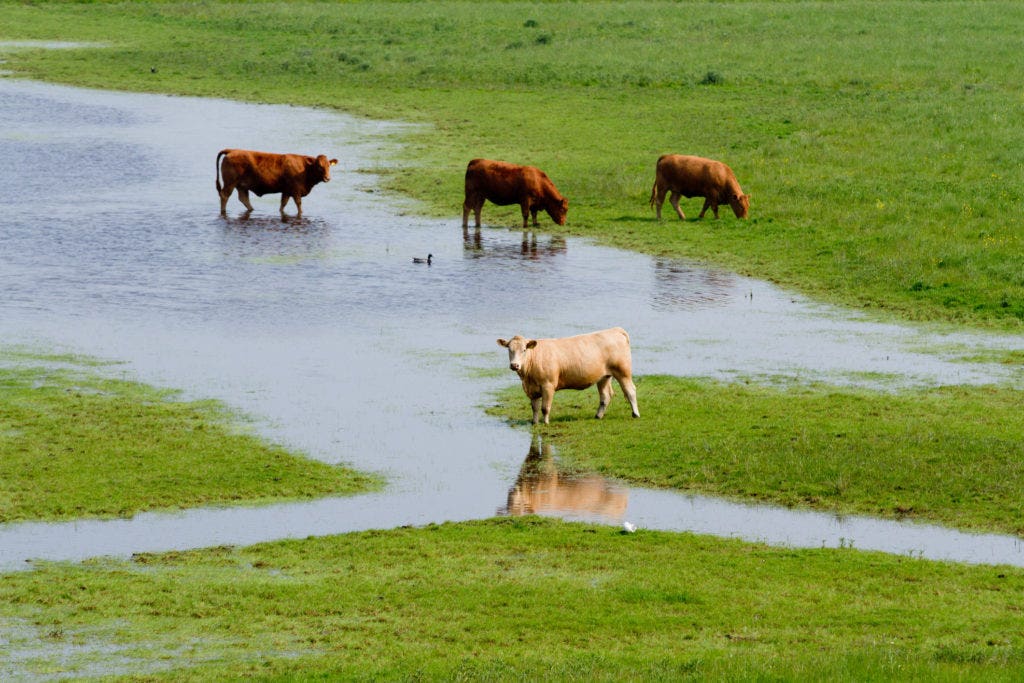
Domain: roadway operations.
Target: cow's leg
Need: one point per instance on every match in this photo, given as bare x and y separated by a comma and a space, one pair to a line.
535, 403
546, 397
629, 389
474, 204
711, 203
225, 195
674, 201
659, 200
525, 208
284, 201
533, 214
604, 392
243, 196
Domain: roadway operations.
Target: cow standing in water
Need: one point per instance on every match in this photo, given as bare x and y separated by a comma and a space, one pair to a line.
503, 184
293, 175
545, 366
688, 177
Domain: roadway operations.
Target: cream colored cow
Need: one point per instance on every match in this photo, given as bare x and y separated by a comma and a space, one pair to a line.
547, 365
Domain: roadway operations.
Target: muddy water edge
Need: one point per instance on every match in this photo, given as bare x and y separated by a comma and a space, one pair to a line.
326, 331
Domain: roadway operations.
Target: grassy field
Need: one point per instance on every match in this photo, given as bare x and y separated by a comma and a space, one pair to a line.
74, 444
878, 139
517, 599
953, 455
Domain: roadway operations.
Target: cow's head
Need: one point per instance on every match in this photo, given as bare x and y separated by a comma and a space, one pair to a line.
323, 167
557, 210
517, 347
740, 205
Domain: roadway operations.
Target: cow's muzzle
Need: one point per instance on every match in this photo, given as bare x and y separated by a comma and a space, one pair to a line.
514, 366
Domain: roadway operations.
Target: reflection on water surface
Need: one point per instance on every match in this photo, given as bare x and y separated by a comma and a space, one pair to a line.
541, 488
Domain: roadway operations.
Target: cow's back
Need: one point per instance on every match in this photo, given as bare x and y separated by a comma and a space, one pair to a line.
499, 182
692, 176
261, 172
580, 361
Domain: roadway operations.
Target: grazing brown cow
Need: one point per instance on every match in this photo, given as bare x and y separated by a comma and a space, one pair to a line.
546, 365
697, 177
503, 184
293, 175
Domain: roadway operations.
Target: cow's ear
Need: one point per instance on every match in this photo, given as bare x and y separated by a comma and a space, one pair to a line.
503, 342
334, 162
530, 344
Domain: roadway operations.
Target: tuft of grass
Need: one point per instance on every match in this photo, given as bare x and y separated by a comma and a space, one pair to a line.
515, 599
76, 445
712, 78
953, 455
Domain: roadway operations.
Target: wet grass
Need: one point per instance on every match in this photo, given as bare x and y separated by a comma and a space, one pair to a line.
76, 445
877, 138
1006, 357
519, 599
953, 455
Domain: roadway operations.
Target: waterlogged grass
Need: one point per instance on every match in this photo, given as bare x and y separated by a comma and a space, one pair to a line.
877, 138
74, 445
1006, 357
519, 599
953, 455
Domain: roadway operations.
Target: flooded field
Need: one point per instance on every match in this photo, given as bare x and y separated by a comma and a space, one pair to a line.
327, 333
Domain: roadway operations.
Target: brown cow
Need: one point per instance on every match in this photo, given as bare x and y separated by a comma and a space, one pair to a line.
503, 184
293, 175
546, 365
697, 177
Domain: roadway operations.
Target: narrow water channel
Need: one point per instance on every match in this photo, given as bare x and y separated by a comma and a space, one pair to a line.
325, 330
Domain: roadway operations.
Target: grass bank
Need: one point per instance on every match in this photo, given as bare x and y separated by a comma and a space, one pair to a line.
518, 599
953, 455
877, 138
75, 444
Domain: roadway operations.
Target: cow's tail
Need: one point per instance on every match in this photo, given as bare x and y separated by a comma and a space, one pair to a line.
654, 192
220, 155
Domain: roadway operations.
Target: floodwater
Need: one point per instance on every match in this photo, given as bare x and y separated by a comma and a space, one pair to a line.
325, 331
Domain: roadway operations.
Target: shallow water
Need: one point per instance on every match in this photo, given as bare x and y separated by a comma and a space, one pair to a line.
327, 332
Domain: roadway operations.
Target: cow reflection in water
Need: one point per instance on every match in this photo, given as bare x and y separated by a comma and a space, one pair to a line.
542, 489
529, 247
275, 239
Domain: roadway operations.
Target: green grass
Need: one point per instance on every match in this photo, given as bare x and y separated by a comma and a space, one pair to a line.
953, 455
77, 445
877, 138
519, 599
